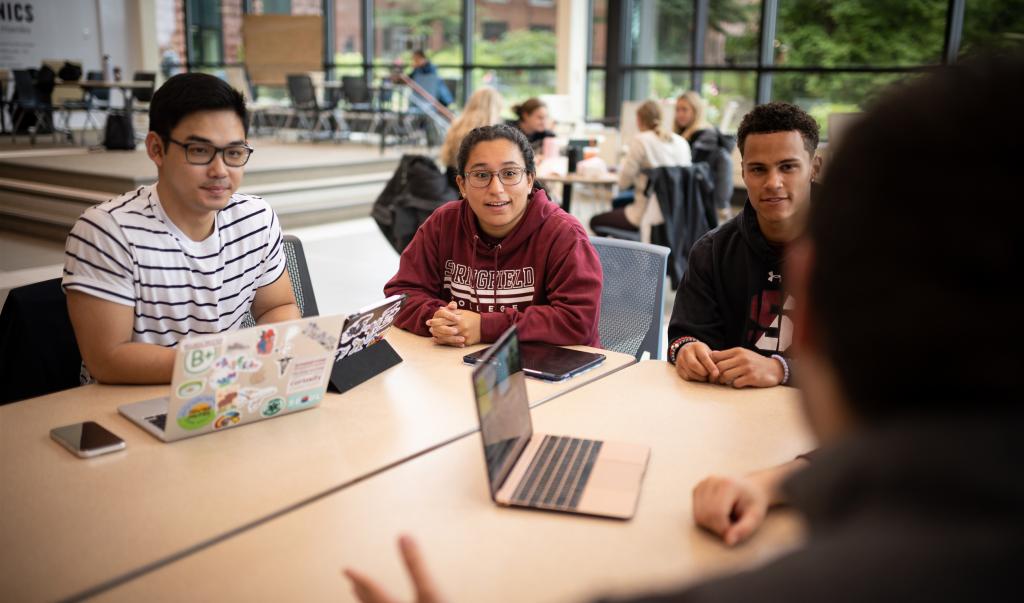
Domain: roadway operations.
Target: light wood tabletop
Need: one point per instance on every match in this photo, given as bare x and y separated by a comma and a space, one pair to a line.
481, 552
69, 524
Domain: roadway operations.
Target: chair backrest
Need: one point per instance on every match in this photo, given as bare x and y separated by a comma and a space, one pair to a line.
38, 351
25, 89
356, 90
100, 94
144, 94
301, 92
632, 296
302, 285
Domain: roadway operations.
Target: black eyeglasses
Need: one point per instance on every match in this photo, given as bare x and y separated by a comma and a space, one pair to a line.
509, 176
202, 153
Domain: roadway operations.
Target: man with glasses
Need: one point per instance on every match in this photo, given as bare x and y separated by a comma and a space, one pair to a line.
185, 255
503, 254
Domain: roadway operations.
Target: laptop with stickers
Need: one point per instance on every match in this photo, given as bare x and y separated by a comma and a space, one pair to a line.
228, 379
555, 473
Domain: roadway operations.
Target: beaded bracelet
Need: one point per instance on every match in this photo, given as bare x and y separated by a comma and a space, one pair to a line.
785, 368
677, 345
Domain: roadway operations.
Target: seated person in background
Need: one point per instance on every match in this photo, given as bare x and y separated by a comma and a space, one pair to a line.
423, 67
707, 145
185, 255
652, 147
502, 255
532, 120
482, 109
731, 319
916, 493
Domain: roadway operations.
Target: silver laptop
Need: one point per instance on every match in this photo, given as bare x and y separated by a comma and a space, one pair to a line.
238, 377
556, 473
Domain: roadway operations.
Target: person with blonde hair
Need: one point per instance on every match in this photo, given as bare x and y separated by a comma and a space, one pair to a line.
482, 109
709, 145
653, 147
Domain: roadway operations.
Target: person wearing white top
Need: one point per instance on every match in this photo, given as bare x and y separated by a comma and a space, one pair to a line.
653, 147
185, 255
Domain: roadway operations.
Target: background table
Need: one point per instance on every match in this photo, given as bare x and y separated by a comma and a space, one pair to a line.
68, 524
482, 552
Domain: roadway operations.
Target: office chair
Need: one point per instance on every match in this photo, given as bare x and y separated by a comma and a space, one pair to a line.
632, 296
302, 284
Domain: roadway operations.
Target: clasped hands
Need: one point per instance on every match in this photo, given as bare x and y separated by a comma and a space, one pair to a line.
738, 367
455, 327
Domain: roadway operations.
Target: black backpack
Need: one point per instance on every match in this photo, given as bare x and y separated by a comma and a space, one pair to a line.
119, 134
415, 190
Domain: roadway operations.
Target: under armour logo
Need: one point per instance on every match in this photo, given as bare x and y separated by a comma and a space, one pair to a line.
772, 277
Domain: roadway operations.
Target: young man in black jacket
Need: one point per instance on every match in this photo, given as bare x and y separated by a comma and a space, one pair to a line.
910, 378
731, 319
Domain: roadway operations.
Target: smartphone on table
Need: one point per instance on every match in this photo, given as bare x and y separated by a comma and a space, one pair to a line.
87, 439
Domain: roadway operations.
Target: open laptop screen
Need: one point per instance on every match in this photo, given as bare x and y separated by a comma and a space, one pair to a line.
500, 387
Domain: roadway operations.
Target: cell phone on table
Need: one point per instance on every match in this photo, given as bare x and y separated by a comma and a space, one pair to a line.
87, 439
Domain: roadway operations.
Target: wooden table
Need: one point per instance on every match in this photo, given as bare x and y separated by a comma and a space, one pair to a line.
67, 525
482, 552
568, 180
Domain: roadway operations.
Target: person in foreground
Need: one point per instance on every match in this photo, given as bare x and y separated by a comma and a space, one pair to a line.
185, 255
731, 319
502, 255
916, 493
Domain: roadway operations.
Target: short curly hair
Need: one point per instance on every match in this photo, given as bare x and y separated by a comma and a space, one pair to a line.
497, 132
779, 117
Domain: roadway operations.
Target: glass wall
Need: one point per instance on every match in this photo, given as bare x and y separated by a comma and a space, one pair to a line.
825, 55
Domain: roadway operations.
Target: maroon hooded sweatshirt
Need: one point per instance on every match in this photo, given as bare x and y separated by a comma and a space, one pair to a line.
544, 276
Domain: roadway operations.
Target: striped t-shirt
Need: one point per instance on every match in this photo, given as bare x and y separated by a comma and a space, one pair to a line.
129, 252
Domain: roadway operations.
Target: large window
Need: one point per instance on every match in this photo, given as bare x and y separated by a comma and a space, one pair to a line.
825, 55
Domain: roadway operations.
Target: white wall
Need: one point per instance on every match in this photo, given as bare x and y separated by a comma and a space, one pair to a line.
80, 30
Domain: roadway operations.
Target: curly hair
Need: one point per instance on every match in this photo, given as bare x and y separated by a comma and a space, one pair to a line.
498, 132
779, 117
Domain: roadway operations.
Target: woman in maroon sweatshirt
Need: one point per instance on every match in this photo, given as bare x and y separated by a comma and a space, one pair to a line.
503, 254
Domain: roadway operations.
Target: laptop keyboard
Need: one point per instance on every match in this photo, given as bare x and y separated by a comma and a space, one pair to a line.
558, 473
159, 420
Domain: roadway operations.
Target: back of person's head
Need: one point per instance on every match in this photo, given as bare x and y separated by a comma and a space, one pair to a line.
779, 117
917, 246
527, 107
699, 107
496, 132
649, 114
419, 54
483, 108
188, 93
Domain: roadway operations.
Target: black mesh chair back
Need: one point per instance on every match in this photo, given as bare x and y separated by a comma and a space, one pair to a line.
357, 93
38, 351
632, 296
301, 92
302, 285
144, 95
99, 94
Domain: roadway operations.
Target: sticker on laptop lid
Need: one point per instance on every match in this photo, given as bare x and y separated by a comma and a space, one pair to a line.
282, 365
314, 332
199, 358
226, 397
228, 419
304, 399
191, 388
307, 373
196, 413
252, 397
265, 345
273, 406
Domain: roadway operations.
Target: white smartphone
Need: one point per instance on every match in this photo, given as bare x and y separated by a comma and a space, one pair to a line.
87, 439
